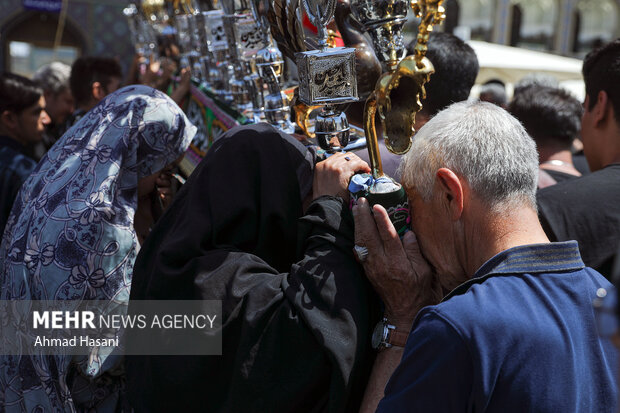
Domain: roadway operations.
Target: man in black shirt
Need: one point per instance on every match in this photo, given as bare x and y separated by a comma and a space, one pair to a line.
552, 117
587, 209
22, 122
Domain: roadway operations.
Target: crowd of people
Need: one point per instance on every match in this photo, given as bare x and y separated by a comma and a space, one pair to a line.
484, 305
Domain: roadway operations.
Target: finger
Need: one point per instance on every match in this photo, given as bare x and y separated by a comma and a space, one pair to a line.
366, 234
347, 162
411, 245
412, 249
357, 165
355, 162
387, 232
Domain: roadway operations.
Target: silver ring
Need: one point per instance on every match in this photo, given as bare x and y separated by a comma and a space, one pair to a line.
360, 252
347, 158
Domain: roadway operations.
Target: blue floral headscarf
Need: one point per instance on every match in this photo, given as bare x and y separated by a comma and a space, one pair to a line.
70, 235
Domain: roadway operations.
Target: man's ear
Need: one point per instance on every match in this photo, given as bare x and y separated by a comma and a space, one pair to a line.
98, 91
420, 119
451, 191
602, 108
8, 120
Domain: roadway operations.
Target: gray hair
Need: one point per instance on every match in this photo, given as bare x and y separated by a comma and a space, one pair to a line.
53, 77
483, 144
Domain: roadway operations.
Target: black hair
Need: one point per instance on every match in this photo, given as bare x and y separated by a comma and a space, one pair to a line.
550, 115
494, 92
87, 70
536, 79
601, 71
456, 69
17, 92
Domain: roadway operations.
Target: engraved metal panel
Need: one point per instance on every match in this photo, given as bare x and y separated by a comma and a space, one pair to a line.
327, 77
214, 25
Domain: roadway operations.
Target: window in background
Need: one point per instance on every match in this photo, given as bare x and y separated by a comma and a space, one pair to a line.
534, 24
595, 24
25, 58
477, 17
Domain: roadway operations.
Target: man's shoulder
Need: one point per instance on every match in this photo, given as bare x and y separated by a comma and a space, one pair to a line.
497, 301
15, 162
592, 185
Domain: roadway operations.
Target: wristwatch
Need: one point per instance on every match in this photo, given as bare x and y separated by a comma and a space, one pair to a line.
387, 335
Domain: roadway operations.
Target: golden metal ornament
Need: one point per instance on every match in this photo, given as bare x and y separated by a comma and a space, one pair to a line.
399, 92
397, 98
302, 116
153, 7
431, 12
183, 7
331, 38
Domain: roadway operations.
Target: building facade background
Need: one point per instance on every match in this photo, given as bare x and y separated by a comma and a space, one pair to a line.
92, 27
98, 27
565, 27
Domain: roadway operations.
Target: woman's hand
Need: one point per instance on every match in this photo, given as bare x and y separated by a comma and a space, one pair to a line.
165, 189
332, 176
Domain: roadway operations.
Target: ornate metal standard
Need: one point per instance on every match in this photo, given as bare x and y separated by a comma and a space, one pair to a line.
327, 77
217, 61
186, 33
398, 93
156, 15
270, 67
243, 37
142, 34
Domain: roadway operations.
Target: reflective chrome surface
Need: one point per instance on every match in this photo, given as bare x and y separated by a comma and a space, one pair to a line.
331, 129
384, 20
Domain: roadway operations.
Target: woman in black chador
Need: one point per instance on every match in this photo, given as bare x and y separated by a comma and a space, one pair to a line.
297, 309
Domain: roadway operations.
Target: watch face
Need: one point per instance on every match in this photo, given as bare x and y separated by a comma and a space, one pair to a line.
377, 335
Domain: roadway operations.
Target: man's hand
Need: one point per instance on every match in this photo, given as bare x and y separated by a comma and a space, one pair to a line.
397, 270
331, 176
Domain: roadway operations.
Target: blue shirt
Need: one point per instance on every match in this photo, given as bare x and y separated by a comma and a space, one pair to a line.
519, 336
15, 168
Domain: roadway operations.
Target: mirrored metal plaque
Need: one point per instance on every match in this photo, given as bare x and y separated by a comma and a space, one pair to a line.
327, 77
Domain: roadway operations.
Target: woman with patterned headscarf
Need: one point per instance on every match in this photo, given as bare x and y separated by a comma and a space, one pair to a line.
73, 235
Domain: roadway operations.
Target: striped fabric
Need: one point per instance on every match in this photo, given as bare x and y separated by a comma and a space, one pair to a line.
528, 259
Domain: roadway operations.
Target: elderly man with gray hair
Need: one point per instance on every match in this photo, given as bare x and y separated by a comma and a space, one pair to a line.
515, 330
54, 79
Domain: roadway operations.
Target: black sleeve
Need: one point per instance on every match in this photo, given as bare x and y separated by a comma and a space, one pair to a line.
296, 341
543, 214
10, 185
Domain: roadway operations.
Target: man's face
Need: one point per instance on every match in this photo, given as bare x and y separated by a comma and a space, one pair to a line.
59, 105
100, 91
113, 85
31, 123
589, 137
438, 237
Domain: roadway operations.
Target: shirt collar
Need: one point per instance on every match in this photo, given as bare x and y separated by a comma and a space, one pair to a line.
527, 259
